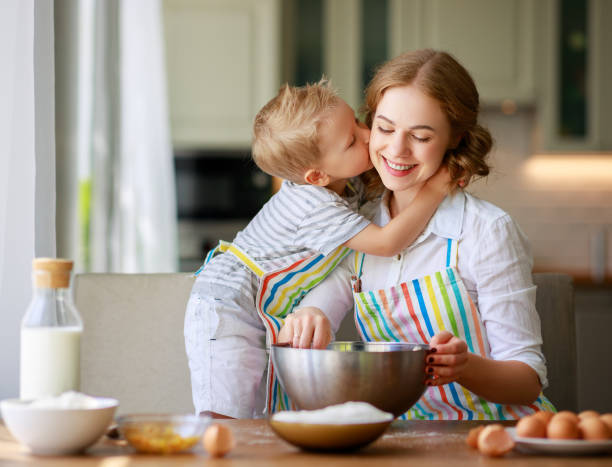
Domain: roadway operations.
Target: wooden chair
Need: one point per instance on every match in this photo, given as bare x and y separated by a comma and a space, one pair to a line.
555, 304
133, 347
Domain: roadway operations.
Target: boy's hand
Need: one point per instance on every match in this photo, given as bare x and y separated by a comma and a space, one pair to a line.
440, 181
447, 359
305, 328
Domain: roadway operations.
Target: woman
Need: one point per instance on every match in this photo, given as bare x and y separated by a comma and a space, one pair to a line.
464, 287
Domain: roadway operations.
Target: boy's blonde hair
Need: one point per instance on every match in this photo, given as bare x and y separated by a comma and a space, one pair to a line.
286, 130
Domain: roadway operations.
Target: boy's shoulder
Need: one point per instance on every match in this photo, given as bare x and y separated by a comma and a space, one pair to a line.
310, 194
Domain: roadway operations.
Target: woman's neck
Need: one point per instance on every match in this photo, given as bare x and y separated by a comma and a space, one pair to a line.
400, 200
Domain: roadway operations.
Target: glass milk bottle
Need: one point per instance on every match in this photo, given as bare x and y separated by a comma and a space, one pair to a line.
50, 333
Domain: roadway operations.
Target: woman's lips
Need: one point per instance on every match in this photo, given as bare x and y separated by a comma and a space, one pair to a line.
398, 170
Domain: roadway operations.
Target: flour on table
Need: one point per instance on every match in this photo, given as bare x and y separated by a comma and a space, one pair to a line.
341, 414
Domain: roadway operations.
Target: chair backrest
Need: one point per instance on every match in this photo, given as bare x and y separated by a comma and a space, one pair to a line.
133, 347
555, 305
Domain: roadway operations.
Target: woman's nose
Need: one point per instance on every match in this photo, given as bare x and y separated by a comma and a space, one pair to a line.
399, 145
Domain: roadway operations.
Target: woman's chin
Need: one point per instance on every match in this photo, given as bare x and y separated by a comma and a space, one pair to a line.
395, 182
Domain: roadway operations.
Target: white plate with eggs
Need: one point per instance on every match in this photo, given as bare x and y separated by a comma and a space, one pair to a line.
559, 446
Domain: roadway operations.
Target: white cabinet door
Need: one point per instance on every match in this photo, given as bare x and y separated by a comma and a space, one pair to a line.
493, 39
222, 58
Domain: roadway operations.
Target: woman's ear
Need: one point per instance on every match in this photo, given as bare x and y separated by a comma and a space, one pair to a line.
316, 177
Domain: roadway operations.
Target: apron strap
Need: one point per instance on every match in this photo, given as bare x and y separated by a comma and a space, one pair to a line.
246, 259
359, 257
452, 252
223, 247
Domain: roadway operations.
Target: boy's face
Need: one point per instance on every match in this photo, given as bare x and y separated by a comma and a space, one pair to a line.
343, 142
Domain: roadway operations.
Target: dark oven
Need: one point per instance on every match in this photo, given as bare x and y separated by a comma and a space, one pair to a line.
217, 192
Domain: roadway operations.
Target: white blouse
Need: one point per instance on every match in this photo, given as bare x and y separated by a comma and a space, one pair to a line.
494, 261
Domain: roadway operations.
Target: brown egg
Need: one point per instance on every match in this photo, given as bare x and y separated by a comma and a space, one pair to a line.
562, 428
531, 427
566, 414
588, 413
607, 419
218, 440
472, 437
544, 415
494, 441
593, 428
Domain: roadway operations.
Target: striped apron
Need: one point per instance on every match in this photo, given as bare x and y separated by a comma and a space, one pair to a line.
413, 312
279, 292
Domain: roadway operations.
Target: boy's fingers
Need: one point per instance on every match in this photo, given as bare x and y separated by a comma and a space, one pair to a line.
285, 336
306, 337
322, 337
296, 333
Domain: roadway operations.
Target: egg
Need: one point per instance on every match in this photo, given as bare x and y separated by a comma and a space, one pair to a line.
494, 441
218, 440
588, 413
593, 428
562, 428
472, 437
531, 427
566, 414
544, 415
607, 419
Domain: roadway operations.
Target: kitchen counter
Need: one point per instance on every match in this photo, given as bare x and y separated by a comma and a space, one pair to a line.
422, 443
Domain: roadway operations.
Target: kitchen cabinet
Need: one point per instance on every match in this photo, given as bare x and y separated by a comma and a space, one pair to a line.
596, 40
493, 39
223, 64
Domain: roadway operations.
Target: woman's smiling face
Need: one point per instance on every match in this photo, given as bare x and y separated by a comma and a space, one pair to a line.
410, 135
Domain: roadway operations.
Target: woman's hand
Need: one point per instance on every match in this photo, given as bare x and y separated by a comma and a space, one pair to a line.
305, 328
447, 359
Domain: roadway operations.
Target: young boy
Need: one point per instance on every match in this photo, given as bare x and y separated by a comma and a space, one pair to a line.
309, 137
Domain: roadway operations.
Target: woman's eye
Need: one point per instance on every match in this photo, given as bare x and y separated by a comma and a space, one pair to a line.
384, 130
421, 139
352, 141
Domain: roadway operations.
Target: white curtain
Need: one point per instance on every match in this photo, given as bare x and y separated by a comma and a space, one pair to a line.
125, 216
27, 173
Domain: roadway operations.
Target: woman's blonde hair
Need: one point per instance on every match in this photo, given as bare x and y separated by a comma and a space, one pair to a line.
285, 132
438, 75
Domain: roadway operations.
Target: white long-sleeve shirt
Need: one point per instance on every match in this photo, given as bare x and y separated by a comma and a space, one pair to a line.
494, 261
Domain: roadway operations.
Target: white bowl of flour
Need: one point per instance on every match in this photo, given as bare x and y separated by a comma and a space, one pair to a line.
338, 427
60, 425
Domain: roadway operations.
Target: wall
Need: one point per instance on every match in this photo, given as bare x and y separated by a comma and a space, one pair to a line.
563, 204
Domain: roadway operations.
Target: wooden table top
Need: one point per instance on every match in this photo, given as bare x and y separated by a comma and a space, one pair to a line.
418, 443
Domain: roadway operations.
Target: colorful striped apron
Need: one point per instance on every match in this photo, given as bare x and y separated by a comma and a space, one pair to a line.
278, 293
413, 312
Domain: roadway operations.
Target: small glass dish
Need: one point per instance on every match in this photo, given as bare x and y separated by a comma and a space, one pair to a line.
162, 433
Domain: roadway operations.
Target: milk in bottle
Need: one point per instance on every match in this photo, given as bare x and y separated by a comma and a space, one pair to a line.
50, 333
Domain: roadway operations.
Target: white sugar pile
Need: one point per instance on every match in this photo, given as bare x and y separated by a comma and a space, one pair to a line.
342, 414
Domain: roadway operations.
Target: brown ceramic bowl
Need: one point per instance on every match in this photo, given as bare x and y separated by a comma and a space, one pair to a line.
319, 437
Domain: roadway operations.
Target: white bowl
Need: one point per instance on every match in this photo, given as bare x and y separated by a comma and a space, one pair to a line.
51, 431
